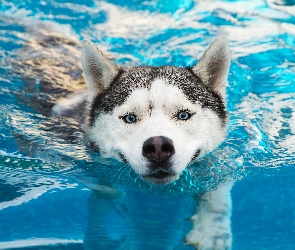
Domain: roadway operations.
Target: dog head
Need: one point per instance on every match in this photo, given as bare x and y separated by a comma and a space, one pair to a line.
157, 119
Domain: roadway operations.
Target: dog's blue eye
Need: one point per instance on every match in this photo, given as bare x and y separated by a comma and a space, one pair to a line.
129, 118
184, 115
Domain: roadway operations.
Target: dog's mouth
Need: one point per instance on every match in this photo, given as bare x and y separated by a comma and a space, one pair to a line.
123, 158
160, 177
196, 155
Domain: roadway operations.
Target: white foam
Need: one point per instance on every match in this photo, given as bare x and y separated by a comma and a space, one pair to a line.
35, 243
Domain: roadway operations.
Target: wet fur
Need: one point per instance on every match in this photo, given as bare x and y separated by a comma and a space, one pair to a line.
110, 87
155, 95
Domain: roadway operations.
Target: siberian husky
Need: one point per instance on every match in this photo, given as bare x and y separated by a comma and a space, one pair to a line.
158, 120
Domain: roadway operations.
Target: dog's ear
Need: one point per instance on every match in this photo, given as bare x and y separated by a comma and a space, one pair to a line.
213, 67
98, 70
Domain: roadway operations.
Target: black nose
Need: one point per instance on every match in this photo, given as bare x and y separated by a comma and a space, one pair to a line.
158, 149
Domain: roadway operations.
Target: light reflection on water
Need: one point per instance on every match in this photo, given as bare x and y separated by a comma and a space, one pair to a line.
260, 140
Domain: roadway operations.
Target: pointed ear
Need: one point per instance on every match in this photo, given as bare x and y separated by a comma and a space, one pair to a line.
213, 67
99, 72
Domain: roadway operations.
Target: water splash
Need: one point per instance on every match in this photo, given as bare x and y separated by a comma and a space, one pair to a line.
260, 133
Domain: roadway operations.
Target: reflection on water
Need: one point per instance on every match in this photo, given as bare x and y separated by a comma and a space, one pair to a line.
43, 156
138, 221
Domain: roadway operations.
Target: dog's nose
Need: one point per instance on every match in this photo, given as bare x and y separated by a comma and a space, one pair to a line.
158, 149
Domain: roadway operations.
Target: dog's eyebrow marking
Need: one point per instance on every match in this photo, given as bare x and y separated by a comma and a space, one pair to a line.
142, 78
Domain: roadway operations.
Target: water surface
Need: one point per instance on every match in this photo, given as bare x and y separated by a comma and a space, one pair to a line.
42, 198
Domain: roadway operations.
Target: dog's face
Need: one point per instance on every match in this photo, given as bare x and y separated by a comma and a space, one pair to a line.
157, 119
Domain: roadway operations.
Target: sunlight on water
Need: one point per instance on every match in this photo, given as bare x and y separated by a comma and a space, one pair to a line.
39, 153
261, 77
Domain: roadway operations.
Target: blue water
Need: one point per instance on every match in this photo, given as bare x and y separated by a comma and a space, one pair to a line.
44, 202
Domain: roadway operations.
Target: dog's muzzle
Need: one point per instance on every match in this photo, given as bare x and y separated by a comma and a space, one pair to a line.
158, 150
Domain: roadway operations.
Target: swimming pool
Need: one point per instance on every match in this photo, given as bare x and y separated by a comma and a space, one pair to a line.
44, 204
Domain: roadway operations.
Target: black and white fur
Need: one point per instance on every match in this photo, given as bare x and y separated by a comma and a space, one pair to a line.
158, 120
